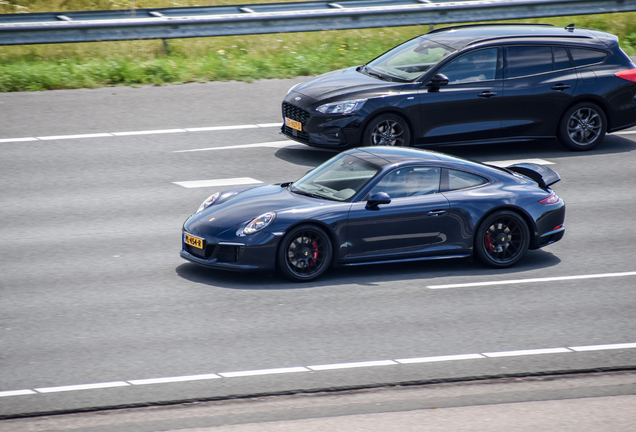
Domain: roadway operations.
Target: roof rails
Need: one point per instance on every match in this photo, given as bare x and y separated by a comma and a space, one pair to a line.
529, 37
441, 29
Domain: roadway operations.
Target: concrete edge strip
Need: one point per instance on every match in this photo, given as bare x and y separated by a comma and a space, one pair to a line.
326, 367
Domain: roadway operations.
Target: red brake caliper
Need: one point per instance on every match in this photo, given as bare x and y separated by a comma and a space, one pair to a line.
488, 241
314, 245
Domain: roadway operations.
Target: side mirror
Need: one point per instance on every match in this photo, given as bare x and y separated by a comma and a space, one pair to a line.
439, 80
378, 198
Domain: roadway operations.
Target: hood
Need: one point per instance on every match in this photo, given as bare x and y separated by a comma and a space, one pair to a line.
238, 210
341, 82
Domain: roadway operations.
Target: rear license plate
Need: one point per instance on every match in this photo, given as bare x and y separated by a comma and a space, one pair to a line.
194, 241
294, 124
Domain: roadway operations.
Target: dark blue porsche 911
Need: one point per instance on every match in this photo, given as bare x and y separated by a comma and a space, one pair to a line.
375, 205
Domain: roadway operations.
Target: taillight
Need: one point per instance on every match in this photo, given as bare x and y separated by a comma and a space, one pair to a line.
552, 199
627, 74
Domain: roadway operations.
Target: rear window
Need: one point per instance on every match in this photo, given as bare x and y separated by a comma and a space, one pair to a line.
584, 57
456, 180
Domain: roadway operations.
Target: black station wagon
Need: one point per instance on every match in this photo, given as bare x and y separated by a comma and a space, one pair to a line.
472, 84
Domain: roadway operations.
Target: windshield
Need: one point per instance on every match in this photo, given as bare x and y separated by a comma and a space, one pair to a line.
338, 179
408, 61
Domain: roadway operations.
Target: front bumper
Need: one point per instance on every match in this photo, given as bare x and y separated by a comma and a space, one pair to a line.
259, 254
341, 131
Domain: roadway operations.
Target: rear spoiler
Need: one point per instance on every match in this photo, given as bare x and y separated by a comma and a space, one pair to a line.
543, 175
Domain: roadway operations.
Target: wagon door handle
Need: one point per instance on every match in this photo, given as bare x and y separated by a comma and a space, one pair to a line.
436, 212
561, 87
487, 94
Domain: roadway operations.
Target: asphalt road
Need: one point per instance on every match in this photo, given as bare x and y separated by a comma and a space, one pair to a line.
98, 310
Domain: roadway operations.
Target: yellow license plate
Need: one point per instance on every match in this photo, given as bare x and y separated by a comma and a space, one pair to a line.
294, 124
194, 241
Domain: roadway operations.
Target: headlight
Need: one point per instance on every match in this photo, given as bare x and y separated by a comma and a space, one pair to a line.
259, 223
208, 202
344, 107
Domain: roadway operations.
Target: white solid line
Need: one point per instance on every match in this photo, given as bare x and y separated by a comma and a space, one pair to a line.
82, 387
268, 125
62, 137
220, 128
352, 365
173, 379
527, 352
603, 347
264, 372
440, 358
506, 163
625, 133
274, 144
8, 140
218, 182
521, 281
16, 393
149, 132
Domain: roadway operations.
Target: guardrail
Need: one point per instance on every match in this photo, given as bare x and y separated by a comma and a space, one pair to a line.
169, 23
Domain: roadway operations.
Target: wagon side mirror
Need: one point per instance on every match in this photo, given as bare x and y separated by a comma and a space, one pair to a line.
376, 199
439, 80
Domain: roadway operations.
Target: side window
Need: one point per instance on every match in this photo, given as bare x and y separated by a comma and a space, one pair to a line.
528, 60
475, 66
561, 58
456, 180
584, 57
410, 181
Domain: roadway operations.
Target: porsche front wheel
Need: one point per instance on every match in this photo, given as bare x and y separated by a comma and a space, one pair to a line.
305, 253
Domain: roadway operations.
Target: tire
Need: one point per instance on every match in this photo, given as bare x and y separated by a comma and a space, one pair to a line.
582, 127
502, 239
305, 253
388, 130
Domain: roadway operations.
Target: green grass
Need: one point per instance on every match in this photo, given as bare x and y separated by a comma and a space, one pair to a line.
243, 58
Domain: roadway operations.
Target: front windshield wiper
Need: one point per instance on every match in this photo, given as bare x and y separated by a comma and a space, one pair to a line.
371, 72
302, 192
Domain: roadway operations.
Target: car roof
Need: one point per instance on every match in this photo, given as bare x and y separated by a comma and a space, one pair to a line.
459, 37
388, 155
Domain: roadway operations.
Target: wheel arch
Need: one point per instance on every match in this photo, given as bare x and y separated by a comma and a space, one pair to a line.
323, 226
600, 102
532, 226
390, 110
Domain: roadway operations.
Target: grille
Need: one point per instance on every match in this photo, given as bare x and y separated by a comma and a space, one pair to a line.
223, 253
297, 114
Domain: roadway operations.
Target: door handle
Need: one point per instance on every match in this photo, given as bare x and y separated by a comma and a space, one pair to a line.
436, 212
561, 87
487, 94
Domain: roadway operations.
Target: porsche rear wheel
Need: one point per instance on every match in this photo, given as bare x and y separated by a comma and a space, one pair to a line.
305, 253
502, 239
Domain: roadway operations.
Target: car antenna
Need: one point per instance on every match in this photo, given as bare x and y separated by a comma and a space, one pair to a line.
570, 27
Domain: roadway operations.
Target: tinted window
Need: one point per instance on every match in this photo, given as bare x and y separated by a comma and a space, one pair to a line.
460, 180
406, 182
475, 66
529, 60
583, 57
561, 58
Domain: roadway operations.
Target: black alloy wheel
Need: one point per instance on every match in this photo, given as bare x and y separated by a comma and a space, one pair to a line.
305, 253
583, 127
502, 239
387, 130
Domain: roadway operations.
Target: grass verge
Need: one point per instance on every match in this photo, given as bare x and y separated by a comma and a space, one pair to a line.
242, 58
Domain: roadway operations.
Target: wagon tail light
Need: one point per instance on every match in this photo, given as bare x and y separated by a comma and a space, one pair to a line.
552, 199
627, 74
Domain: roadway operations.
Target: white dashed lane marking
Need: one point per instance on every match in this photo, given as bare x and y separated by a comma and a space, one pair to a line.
218, 182
317, 368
